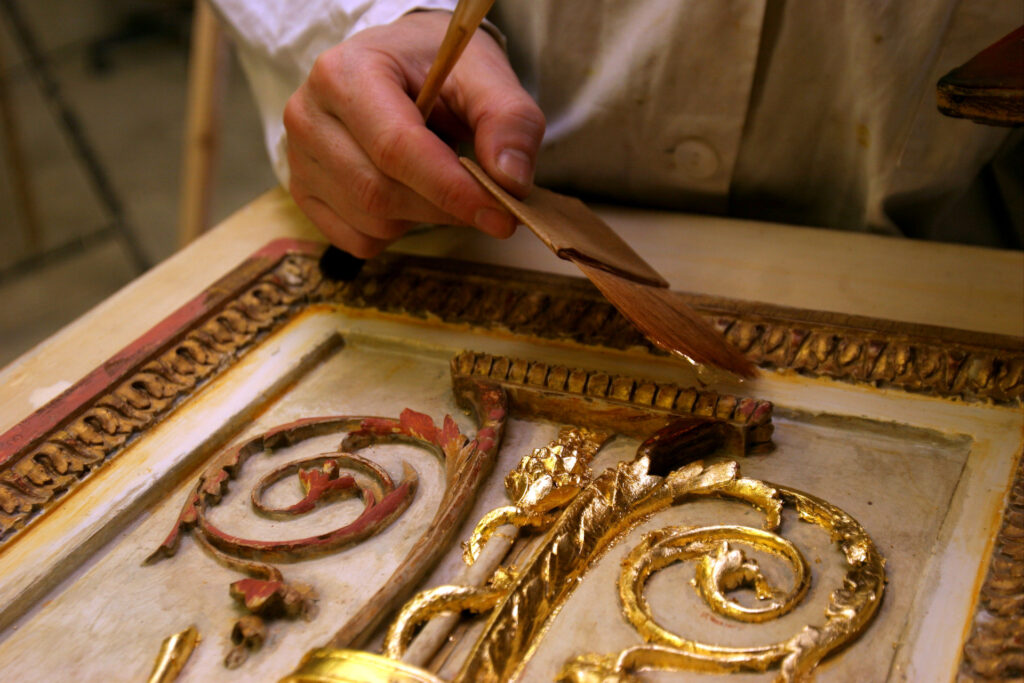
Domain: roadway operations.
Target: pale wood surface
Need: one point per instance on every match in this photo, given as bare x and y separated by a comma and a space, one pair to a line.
938, 284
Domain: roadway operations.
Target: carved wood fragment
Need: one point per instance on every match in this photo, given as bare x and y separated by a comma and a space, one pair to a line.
266, 594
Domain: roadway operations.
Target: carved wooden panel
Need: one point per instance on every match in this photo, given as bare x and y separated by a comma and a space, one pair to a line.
286, 468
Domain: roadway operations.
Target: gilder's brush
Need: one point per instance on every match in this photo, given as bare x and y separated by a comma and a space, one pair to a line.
576, 234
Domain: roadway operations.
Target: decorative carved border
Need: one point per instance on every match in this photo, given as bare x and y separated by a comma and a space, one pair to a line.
995, 648
58, 446
919, 358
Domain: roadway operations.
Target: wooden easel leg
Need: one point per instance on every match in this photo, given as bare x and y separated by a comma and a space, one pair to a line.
207, 77
22, 187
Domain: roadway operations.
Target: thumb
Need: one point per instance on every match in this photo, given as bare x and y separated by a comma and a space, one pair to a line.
506, 141
507, 125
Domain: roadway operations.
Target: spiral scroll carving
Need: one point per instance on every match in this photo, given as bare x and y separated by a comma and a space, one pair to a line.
722, 568
325, 477
627, 494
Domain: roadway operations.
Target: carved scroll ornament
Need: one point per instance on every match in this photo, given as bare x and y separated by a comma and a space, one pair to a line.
612, 505
331, 476
720, 568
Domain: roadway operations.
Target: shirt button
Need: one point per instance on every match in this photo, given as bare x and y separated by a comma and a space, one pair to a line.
695, 159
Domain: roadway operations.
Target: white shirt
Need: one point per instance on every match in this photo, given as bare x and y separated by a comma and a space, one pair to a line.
811, 112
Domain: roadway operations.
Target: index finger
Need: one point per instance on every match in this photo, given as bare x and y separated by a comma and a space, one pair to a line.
384, 121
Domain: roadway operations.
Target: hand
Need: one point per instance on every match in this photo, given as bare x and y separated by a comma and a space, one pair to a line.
365, 167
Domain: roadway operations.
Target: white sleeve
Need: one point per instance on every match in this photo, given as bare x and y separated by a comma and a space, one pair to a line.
277, 42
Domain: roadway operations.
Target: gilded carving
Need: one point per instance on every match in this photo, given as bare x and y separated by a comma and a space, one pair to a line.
544, 480
174, 654
553, 476
619, 499
351, 666
994, 650
443, 600
721, 569
519, 602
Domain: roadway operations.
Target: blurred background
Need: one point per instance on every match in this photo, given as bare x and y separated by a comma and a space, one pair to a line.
93, 111
94, 102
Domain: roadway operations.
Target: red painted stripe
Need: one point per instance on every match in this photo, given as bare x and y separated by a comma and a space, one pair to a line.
74, 400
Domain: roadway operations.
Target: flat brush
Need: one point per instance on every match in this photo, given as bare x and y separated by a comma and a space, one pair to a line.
576, 234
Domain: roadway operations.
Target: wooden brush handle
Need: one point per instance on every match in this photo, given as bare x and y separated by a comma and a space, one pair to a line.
465, 19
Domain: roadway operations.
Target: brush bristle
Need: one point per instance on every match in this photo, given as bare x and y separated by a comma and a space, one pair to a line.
664, 318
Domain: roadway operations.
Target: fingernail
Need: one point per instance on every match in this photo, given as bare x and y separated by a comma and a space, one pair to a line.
493, 222
515, 164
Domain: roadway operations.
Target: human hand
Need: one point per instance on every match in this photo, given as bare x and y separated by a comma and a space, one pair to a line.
364, 166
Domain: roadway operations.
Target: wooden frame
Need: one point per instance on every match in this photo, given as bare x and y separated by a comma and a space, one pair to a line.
47, 457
